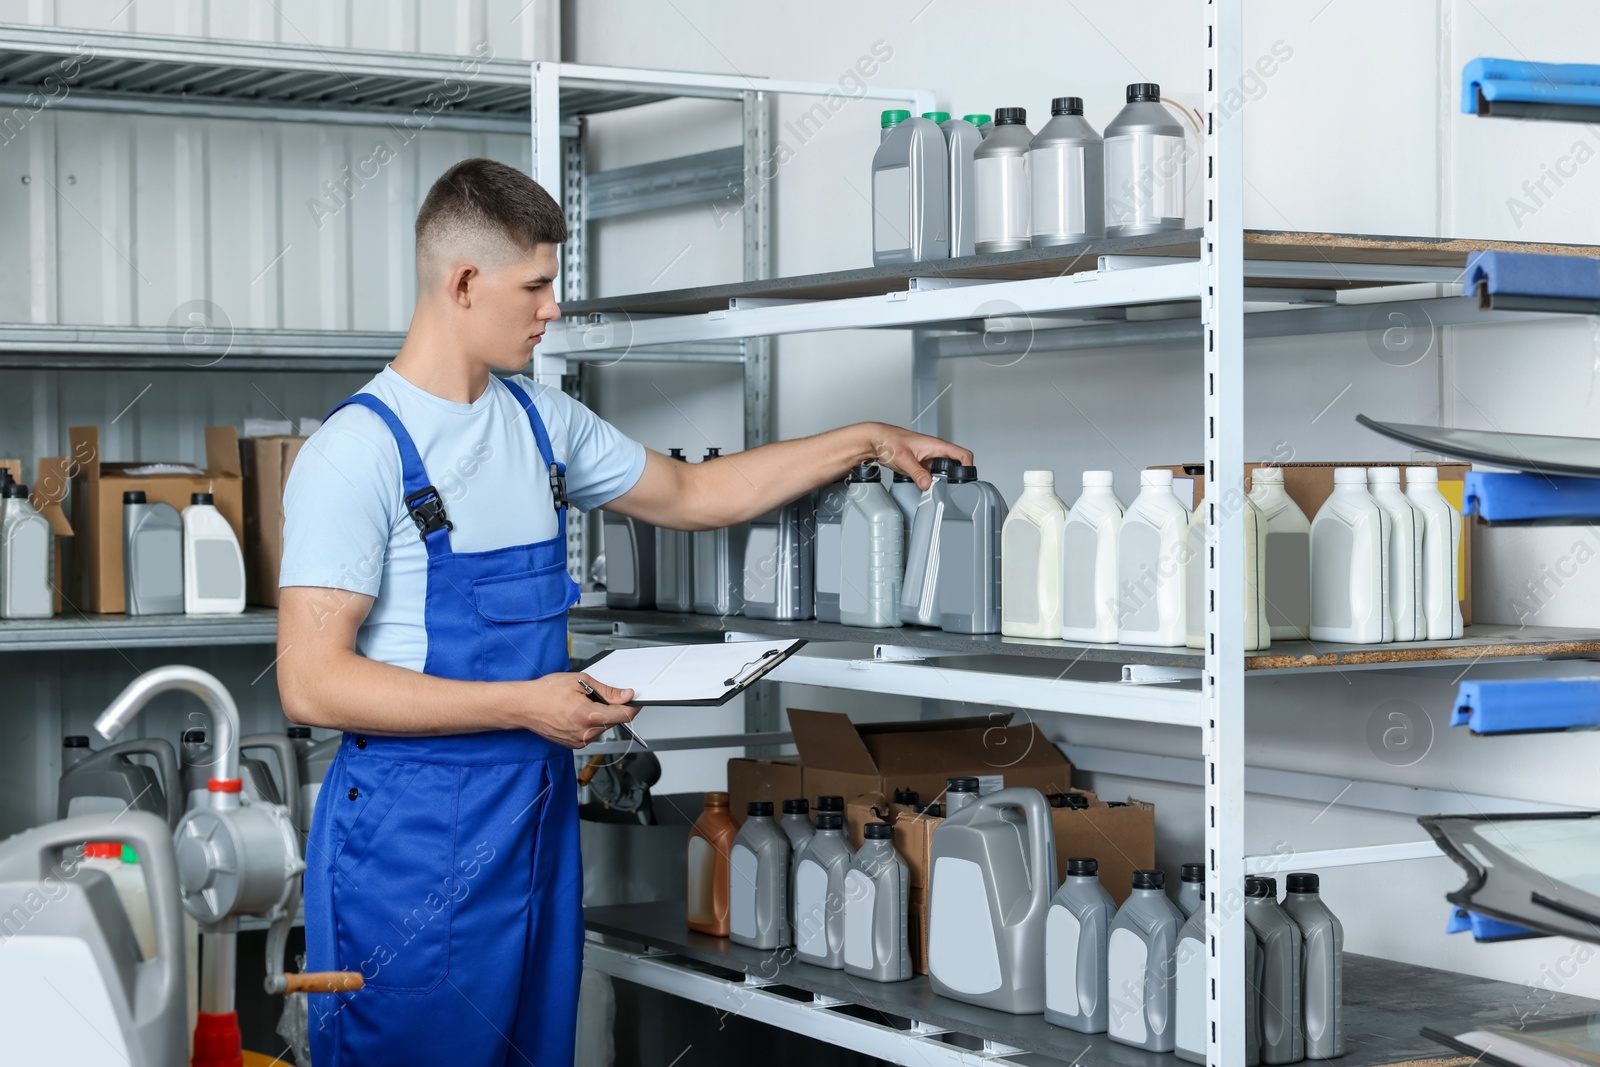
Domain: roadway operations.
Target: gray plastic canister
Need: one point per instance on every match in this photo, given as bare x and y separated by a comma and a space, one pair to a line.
910, 191
904, 492
989, 886
1000, 176
779, 562
674, 563
315, 757
1139, 981
758, 881
969, 555
919, 592
1191, 889
1322, 968
871, 552
152, 556
108, 782
630, 548
962, 139
876, 889
719, 564
1075, 939
1282, 1029
796, 826
1146, 166
819, 894
1066, 176
1189, 966
959, 792
832, 499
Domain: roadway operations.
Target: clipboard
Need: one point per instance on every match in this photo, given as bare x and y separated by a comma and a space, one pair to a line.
690, 676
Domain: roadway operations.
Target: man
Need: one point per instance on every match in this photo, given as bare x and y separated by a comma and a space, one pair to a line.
423, 613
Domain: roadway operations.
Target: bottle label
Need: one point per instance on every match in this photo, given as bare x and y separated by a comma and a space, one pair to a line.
860, 901
891, 209
1061, 934
962, 950
742, 872
1127, 957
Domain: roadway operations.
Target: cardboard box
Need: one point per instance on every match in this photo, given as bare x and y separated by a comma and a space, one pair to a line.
97, 489
264, 464
1310, 484
1122, 837
839, 757
47, 493
917, 928
776, 780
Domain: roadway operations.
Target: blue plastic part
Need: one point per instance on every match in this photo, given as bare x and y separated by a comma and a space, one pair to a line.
1501, 497
1573, 84
1484, 928
1532, 274
1522, 705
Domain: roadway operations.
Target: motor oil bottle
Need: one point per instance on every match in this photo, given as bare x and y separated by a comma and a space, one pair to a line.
779, 562
904, 492
919, 593
969, 551
1089, 562
1146, 166
1404, 589
674, 563
1257, 632
315, 757
910, 191
1139, 961
1075, 942
989, 887
630, 548
876, 888
1150, 573
1000, 178
1031, 560
796, 826
819, 894
758, 881
213, 563
152, 556
1441, 554
718, 563
1322, 966
826, 805
962, 138
1282, 1027
27, 551
1350, 564
1066, 175
1288, 556
1191, 889
959, 792
710, 843
832, 499
1189, 967
107, 781
871, 552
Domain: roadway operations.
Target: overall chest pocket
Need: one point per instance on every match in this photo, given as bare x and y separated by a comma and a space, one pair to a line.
537, 596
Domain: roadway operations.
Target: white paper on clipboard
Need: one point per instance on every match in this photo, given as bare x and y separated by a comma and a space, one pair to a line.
705, 674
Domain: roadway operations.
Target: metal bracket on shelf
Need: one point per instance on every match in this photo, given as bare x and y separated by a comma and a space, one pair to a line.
922, 1029
996, 1049
822, 1000
1151, 674
755, 981
928, 285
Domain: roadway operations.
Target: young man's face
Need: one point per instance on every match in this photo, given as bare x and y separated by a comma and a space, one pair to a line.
511, 307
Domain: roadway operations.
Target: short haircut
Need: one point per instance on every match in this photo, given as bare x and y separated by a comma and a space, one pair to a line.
486, 210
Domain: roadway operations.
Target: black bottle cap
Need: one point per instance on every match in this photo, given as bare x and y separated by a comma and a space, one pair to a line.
797, 806
898, 477
194, 735
134, 496
1143, 91
75, 741
1010, 116
1303, 883
1067, 105
1076, 801
933, 811
942, 465
878, 831
1272, 886
831, 804
1116, 803
830, 820
1257, 887
713, 453
14, 491
961, 785
200, 498
906, 796
677, 453
300, 733
1149, 880
1083, 866
863, 472
759, 807
1194, 872
963, 474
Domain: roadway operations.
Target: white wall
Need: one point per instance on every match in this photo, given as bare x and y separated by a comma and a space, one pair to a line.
1357, 130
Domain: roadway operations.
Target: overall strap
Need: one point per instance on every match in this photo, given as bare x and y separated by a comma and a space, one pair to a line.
422, 500
558, 471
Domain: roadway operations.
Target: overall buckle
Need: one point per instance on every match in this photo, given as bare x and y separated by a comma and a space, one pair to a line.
427, 511
558, 485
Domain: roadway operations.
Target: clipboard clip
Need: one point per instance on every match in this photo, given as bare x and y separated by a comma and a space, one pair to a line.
745, 674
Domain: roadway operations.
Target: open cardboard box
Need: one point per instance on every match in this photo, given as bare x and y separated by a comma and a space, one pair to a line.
1310, 484
264, 464
46, 496
97, 490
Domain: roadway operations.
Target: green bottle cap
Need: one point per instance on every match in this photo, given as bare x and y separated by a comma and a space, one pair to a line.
937, 116
977, 120
893, 118
129, 855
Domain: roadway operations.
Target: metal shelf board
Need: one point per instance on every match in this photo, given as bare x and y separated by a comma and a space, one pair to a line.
257, 626
1386, 1003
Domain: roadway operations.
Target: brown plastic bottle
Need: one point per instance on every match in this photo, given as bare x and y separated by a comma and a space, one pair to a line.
710, 843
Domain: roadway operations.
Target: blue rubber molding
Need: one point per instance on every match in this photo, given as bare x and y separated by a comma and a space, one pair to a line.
1527, 705
1526, 498
1532, 274
1509, 88
1484, 928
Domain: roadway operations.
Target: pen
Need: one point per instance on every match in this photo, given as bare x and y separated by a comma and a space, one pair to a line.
622, 727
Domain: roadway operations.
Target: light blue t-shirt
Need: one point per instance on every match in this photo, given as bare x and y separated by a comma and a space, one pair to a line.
346, 527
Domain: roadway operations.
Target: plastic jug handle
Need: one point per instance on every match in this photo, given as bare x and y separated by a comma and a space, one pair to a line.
288, 765
1041, 840
166, 758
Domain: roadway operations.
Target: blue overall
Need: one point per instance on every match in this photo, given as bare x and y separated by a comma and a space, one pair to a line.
446, 869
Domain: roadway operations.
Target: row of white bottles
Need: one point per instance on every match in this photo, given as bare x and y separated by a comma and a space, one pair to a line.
1384, 563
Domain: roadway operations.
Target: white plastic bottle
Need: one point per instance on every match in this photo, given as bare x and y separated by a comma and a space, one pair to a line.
1288, 556
1150, 546
1441, 555
1349, 563
27, 575
1089, 562
1257, 634
1030, 560
213, 565
1404, 588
